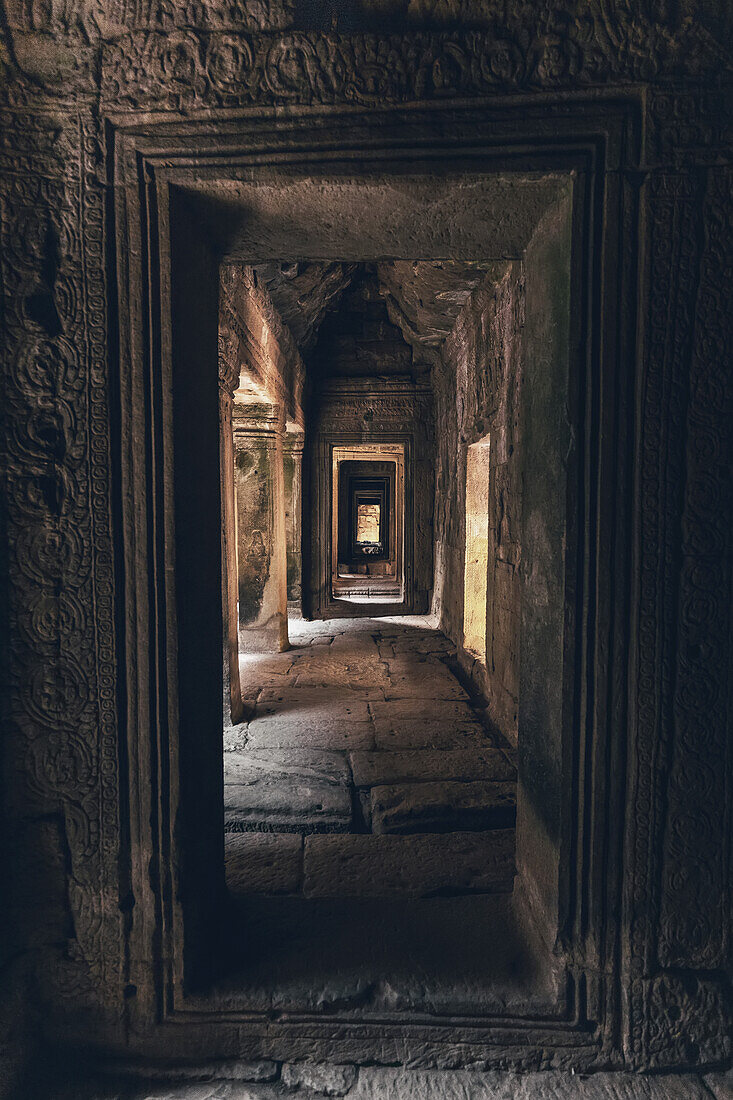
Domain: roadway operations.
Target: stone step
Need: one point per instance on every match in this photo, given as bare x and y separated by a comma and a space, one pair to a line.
307, 730
377, 769
263, 863
291, 790
443, 807
409, 866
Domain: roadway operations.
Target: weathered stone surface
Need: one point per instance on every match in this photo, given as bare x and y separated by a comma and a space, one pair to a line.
302, 292
442, 807
287, 789
235, 737
720, 1084
372, 769
294, 762
427, 708
172, 1089
394, 1084
263, 863
234, 1069
312, 704
384, 1083
408, 866
334, 735
423, 733
421, 679
332, 669
324, 1079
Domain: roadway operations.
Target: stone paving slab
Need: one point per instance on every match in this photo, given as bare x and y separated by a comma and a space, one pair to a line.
313, 705
408, 866
289, 763
372, 769
257, 667
424, 733
263, 863
443, 807
430, 644
306, 732
423, 687
324, 667
446, 710
303, 790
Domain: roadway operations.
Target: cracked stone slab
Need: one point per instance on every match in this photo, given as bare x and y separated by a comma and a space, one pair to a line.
263, 863
443, 807
408, 866
286, 790
376, 769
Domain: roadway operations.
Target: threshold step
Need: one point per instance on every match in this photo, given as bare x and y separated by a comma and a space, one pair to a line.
443, 807
426, 865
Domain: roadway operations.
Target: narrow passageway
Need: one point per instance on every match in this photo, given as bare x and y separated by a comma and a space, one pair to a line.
365, 770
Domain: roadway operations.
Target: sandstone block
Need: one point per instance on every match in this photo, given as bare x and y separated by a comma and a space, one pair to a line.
289, 732
408, 866
263, 863
373, 769
446, 710
286, 790
443, 807
424, 733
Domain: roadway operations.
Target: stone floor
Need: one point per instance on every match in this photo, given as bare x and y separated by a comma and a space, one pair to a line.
270, 1081
366, 769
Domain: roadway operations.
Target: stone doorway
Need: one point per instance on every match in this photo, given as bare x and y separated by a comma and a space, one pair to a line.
362, 358
357, 412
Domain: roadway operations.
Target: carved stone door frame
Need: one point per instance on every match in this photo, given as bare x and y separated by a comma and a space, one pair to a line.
162, 168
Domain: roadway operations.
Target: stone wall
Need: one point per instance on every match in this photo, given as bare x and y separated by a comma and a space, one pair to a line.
477, 394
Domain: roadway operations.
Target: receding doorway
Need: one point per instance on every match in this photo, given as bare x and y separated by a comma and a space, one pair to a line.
368, 518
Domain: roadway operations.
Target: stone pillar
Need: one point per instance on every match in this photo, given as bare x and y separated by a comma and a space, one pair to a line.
293, 463
259, 481
233, 706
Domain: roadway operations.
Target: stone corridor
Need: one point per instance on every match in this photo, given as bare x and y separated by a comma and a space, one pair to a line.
365, 770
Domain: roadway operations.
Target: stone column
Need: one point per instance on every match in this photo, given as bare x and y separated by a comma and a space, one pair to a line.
233, 706
261, 528
293, 463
